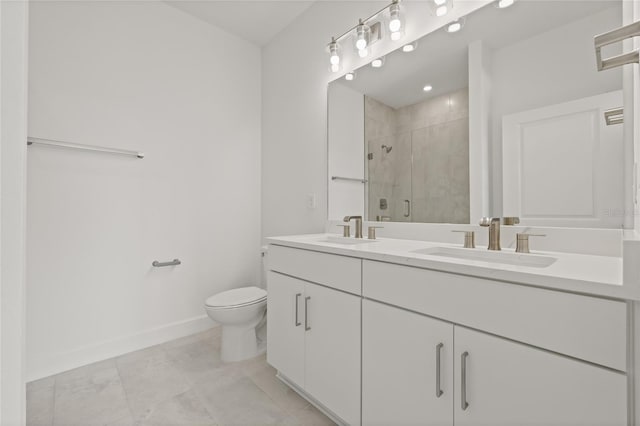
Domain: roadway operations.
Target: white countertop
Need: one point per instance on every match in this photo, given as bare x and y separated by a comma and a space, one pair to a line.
586, 274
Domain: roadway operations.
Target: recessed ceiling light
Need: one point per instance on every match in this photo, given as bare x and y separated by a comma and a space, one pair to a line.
427, 88
455, 26
350, 76
409, 47
377, 63
504, 3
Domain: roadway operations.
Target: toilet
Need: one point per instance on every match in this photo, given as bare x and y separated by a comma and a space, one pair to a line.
242, 313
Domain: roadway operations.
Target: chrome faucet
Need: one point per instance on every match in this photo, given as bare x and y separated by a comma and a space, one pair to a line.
494, 231
358, 224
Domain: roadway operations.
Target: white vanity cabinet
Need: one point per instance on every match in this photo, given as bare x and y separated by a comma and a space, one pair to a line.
378, 343
407, 368
314, 330
505, 383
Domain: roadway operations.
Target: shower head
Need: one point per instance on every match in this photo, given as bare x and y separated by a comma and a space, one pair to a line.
387, 148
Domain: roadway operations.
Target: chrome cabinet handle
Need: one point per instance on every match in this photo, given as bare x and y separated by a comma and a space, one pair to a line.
407, 205
463, 389
439, 391
297, 322
306, 312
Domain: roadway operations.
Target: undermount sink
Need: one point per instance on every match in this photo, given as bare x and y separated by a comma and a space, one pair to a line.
505, 258
346, 241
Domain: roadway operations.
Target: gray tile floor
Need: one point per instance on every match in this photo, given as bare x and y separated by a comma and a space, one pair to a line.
182, 382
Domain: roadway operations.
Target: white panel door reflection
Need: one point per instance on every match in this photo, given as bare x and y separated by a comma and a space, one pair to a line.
562, 164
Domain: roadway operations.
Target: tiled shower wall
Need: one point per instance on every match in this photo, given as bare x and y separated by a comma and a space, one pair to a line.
428, 166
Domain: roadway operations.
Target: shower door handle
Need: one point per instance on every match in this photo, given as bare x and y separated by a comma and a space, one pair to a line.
407, 208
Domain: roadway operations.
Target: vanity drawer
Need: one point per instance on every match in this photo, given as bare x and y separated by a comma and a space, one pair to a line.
583, 327
339, 272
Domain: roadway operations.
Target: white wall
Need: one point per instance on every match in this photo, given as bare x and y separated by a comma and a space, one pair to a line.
141, 76
550, 68
294, 78
346, 151
13, 132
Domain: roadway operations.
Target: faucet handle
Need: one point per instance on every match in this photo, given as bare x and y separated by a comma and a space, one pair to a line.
485, 221
346, 230
511, 220
371, 232
469, 238
522, 241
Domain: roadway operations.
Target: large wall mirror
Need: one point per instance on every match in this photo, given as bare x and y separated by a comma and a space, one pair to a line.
504, 117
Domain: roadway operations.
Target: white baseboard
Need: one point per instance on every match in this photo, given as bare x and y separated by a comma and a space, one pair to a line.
51, 364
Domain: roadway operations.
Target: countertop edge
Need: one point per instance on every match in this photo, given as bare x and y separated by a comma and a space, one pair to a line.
578, 286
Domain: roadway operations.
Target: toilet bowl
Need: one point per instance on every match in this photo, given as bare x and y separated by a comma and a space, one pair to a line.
240, 312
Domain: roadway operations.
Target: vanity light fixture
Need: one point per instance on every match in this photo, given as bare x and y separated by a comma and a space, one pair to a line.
396, 24
334, 55
427, 88
363, 35
368, 31
350, 76
455, 26
378, 62
501, 4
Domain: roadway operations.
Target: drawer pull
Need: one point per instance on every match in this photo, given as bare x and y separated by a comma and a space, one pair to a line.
297, 322
463, 389
439, 391
306, 313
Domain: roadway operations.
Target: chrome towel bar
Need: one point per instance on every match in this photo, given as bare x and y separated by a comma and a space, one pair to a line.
349, 179
50, 142
623, 33
174, 262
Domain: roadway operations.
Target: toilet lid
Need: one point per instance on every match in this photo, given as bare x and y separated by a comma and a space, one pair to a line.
237, 297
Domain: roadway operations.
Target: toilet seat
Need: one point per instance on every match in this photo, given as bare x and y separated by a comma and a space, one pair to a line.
236, 298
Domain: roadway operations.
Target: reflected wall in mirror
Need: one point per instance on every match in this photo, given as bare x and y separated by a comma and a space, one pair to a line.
504, 117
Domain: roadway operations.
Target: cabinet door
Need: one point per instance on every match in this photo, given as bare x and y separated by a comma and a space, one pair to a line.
285, 326
508, 383
407, 368
332, 350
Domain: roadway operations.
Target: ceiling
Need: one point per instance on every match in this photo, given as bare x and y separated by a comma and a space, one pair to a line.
441, 59
255, 21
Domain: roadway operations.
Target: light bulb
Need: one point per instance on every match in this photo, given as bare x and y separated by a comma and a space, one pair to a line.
394, 25
377, 63
442, 10
439, 2
334, 52
362, 36
427, 88
335, 67
349, 76
505, 3
363, 53
409, 47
